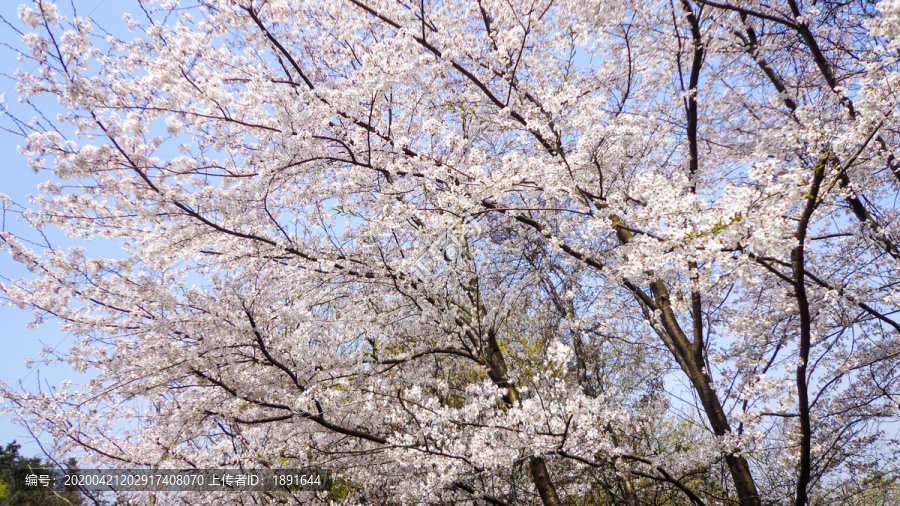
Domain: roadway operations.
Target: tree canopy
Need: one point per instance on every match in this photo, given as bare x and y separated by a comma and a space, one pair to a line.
14, 469
538, 252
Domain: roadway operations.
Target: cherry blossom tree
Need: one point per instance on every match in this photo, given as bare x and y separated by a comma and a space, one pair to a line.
542, 252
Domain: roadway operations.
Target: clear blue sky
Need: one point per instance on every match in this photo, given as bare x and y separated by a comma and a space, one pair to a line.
18, 342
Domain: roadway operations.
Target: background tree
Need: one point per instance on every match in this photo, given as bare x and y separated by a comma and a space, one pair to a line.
13, 491
534, 252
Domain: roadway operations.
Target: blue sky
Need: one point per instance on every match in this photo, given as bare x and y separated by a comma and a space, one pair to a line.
17, 341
